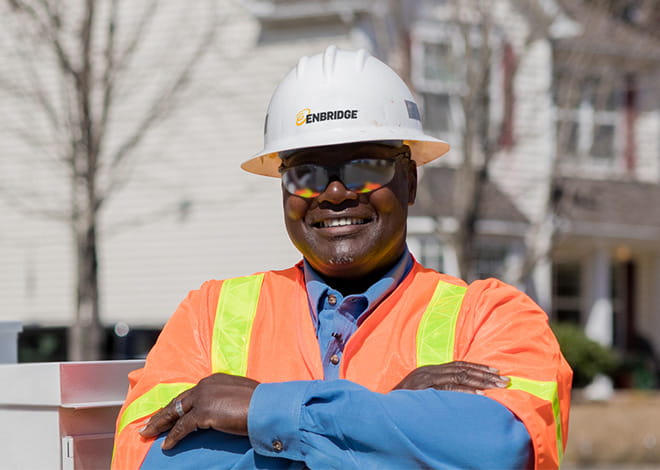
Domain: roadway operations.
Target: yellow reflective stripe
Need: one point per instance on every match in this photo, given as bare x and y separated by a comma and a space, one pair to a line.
237, 306
150, 402
545, 391
437, 329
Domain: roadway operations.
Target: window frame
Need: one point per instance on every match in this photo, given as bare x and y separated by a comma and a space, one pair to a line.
586, 114
442, 32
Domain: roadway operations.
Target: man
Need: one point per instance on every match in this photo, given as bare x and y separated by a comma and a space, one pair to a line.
357, 357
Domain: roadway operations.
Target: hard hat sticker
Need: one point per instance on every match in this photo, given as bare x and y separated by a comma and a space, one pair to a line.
305, 116
413, 110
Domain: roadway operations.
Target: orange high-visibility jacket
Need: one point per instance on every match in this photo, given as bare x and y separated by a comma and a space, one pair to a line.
240, 325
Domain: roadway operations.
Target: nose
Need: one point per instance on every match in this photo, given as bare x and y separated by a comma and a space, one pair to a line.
336, 193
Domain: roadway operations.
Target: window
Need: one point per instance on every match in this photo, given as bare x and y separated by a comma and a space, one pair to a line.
588, 119
48, 344
436, 113
427, 250
567, 290
438, 63
490, 259
445, 59
435, 78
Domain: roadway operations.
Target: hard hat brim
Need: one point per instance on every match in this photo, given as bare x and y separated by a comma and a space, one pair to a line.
423, 150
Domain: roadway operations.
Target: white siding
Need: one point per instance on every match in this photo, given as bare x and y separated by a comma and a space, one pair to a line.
523, 172
647, 130
188, 213
151, 252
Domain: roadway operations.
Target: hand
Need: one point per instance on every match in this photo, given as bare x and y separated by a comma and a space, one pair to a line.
219, 401
456, 376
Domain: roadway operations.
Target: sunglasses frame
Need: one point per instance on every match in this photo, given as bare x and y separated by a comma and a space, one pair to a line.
335, 170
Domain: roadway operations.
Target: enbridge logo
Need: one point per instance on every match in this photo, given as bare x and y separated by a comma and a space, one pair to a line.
302, 116
306, 116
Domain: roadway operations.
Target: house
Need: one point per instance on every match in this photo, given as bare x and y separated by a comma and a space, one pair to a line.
571, 176
577, 155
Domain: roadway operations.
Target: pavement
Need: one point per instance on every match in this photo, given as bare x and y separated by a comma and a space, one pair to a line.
622, 433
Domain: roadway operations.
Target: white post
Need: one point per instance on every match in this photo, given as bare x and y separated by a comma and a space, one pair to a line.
9, 331
450, 260
600, 314
542, 278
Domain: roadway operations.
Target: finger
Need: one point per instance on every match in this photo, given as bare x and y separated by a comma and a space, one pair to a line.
474, 365
463, 388
477, 380
183, 427
442, 376
473, 369
408, 384
468, 374
166, 417
450, 380
458, 367
481, 375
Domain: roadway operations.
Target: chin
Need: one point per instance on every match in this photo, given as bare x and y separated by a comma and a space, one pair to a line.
341, 260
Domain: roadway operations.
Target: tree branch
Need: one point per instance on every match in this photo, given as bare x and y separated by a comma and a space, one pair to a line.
142, 28
107, 80
22, 203
163, 103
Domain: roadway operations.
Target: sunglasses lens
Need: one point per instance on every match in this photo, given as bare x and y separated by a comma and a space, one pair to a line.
367, 175
361, 176
305, 180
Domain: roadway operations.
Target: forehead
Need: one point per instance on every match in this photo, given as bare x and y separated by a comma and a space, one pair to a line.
334, 154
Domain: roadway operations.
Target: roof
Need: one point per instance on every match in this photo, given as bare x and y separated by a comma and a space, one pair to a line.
587, 207
601, 208
604, 34
435, 198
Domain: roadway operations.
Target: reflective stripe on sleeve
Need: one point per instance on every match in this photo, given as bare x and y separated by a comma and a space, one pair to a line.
150, 402
437, 329
237, 306
545, 391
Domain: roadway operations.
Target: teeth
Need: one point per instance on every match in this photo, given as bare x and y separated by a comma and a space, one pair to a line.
340, 222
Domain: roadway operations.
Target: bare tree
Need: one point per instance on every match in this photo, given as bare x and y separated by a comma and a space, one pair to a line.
477, 42
477, 130
76, 61
479, 46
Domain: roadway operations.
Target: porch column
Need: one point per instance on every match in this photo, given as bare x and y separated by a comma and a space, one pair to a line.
542, 278
450, 260
599, 322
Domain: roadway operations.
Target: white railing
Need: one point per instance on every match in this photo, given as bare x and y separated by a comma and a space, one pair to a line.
61, 415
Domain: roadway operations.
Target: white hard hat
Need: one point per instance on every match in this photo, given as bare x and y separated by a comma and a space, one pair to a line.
340, 97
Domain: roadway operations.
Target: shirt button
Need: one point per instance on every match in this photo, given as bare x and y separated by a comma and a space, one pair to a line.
332, 299
334, 359
277, 445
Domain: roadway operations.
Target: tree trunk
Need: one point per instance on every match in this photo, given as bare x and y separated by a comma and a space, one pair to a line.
464, 200
86, 334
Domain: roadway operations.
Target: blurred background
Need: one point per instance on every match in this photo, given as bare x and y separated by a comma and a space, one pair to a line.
123, 125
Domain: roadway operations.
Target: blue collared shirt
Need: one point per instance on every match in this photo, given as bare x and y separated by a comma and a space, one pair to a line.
337, 317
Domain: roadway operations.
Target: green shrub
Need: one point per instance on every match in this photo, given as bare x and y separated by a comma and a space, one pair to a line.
586, 356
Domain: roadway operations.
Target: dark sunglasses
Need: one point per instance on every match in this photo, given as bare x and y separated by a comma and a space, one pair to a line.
361, 175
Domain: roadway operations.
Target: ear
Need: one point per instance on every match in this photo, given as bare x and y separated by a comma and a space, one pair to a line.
412, 182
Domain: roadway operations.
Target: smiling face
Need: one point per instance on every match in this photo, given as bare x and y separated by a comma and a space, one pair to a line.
351, 238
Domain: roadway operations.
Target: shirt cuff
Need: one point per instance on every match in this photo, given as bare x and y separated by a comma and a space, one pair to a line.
274, 419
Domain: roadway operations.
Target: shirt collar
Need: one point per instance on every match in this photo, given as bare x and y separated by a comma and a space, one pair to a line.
317, 289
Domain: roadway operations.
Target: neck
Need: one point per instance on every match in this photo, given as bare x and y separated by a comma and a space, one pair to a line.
349, 285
